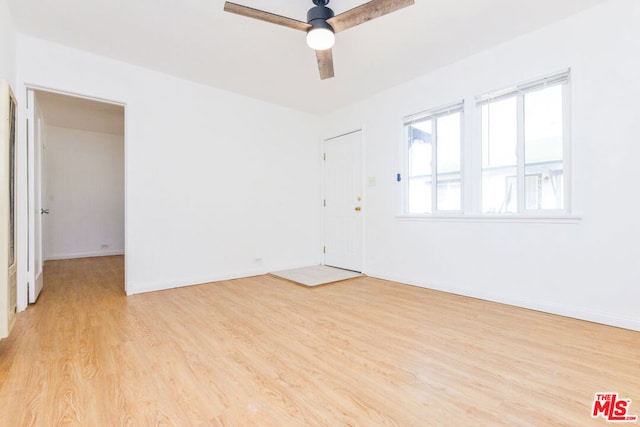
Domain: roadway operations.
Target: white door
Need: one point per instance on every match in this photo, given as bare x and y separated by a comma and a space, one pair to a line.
39, 211
34, 135
343, 202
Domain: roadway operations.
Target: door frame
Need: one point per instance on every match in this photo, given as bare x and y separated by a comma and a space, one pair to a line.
26, 169
363, 203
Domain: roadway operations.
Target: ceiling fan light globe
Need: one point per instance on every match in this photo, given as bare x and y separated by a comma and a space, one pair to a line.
320, 38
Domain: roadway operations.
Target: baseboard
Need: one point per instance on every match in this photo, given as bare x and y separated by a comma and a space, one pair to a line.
141, 288
83, 255
580, 313
258, 270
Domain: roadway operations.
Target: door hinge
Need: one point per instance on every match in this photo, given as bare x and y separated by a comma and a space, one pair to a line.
324, 249
324, 156
324, 203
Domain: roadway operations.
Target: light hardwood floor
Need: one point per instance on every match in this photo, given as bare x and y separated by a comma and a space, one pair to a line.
265, 352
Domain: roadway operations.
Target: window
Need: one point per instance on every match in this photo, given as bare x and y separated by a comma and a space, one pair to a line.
523, 146
433, 147
516, 151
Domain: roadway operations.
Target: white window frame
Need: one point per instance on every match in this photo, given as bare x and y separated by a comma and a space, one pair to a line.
471, 162
519, 91
433, 114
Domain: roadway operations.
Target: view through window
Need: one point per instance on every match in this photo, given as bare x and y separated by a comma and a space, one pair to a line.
434, 161
516, 151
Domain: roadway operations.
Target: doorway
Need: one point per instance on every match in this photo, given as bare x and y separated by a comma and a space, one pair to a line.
343, 202
76, 180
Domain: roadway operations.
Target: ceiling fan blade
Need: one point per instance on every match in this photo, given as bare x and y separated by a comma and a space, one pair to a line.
366, 12
265, 16
325, 63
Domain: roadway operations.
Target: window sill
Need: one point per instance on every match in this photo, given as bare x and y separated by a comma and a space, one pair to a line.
503, 218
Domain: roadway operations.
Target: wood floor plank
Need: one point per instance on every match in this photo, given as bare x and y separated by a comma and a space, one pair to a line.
264, 352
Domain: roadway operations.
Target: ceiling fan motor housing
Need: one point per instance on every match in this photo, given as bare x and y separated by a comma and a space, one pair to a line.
318, 15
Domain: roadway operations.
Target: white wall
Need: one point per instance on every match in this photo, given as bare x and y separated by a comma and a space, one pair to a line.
7, 45
588, 270
84, 174
214, 181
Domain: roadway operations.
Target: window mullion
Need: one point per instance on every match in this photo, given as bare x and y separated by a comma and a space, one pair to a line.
405, 170
434, 166
474, 145
520, 154
567, 161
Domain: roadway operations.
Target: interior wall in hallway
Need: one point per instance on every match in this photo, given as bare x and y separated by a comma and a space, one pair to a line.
84, 193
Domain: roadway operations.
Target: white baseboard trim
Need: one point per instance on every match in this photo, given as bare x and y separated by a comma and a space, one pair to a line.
141, 288
258, 270
580, 313
83, 255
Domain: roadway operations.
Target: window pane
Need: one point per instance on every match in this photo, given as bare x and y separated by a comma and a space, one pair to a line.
420, 137
449, 195
448, 162
499, 156
419, 195
544, 168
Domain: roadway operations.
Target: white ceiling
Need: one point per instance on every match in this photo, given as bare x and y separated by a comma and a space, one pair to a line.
196, 40
80, 113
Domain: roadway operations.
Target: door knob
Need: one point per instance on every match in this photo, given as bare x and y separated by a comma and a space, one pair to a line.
44, 211
358, 208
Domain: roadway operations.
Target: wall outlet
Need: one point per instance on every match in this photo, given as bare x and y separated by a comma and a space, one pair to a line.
104, 246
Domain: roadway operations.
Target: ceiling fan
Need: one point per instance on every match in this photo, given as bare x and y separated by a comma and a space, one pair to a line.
322, 24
